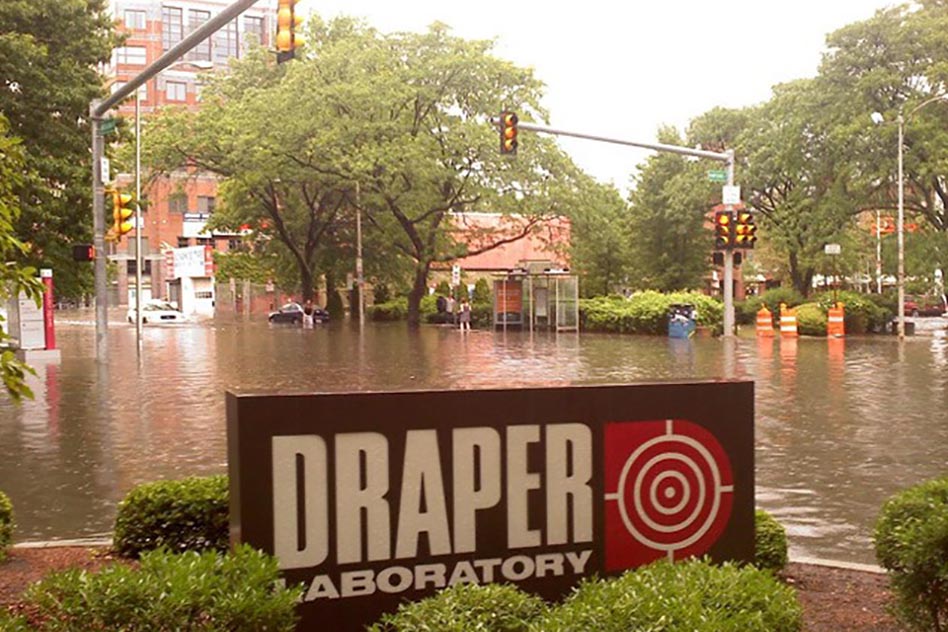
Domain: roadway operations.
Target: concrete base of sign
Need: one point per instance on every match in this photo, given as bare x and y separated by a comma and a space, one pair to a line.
39, 356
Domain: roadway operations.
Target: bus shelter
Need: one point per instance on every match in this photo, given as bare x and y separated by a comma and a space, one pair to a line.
526, 299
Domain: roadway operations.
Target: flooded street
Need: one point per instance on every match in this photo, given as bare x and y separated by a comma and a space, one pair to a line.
841, 425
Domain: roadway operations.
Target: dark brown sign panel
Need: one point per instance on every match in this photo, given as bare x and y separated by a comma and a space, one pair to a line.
370, 499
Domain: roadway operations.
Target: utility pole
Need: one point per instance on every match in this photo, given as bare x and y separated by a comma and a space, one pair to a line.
360, 278
729, 260
97, 109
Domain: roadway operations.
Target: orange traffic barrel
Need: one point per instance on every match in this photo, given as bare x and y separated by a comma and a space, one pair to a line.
788, 321
835, 325
765, 322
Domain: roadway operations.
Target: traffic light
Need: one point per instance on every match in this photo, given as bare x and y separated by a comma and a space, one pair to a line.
508, 132
723, 230
745, 230
121, 213
83, 252
287, 38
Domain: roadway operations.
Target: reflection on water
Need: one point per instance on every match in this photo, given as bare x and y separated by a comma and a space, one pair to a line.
841, 424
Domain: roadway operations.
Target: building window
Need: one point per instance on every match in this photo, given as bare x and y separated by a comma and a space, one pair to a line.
146, 269
206, 204
134, 20
183, 242
172, 26
204, 241
202, 52
176, 91
178, 203
135, 55
225, 42
253, 26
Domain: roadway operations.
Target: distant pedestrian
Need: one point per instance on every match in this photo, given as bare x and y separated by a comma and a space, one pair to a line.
450, 306
465, 315
308, 311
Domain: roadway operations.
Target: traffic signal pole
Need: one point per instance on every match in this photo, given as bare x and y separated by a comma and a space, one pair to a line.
726, 157
98, 109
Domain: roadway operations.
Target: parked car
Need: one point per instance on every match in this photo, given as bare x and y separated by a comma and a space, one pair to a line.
156, 311
293, 313
924, 305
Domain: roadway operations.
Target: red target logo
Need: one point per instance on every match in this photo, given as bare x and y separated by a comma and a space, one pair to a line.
669, 491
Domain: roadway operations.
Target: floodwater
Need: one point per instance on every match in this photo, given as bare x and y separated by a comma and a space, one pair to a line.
840, 424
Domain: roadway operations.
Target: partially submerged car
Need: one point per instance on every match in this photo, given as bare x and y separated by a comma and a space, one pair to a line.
292, 313
157, 311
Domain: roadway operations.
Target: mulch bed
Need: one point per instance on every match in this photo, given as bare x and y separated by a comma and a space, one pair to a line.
833, 599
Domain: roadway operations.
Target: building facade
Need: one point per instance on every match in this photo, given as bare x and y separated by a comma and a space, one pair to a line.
178, 206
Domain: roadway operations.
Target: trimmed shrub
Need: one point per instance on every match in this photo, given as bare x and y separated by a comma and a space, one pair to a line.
862, 312
811, 320
396, 309
774, 297
770, 540
443, 288
693, 595
911, 540
482, 293
646, 312
6, 524
465, 608
190, 591
184, 515
381, 293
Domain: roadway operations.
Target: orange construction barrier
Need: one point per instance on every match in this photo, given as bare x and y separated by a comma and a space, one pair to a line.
788, 321
835, 325
765, 323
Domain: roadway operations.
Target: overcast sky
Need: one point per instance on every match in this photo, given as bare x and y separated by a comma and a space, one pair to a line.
624, 68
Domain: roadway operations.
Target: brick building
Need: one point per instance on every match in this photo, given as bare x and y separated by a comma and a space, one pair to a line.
179, 205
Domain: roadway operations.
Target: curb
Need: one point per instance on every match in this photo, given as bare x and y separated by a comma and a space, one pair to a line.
49, 544
847, 566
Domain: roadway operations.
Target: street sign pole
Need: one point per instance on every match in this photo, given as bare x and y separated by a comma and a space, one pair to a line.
729, 261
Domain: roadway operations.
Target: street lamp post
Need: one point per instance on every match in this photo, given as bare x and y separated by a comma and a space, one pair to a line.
900, 221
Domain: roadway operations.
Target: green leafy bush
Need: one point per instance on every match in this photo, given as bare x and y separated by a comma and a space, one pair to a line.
482, 293
395, 309
443, 288
811, 319
189, 591
184, 515
770, 542
6, 524
381, 293
862, 312
13, 623
745, 312
774, 297
693, 595
911, 540
646, 312
466, 608
334, 306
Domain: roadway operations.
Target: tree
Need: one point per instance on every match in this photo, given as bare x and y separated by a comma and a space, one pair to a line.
894, 62
14, 279
669, 238
49, 53
601, 239
796, 175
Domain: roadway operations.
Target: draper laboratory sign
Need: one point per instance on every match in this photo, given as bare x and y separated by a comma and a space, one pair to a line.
370, 499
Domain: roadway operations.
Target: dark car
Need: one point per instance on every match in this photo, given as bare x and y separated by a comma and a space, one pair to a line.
292, 313
924, 306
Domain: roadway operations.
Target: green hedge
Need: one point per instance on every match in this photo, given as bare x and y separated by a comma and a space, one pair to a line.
190, 591
693, 595
467, 608
811, 319
911, 540
770, 542
395, 309
184, 515
863, 312
646, 312
6, 524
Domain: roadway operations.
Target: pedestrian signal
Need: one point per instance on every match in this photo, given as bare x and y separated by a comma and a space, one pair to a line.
508, 132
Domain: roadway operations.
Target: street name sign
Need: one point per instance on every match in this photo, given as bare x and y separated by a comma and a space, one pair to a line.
717, 175
731, 194
369, 499
832, 249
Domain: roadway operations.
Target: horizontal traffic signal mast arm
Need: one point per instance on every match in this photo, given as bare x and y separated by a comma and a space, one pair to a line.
675, 149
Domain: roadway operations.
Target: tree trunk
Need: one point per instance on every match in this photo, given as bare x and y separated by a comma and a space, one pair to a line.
306, 284
802, 279
418, 290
